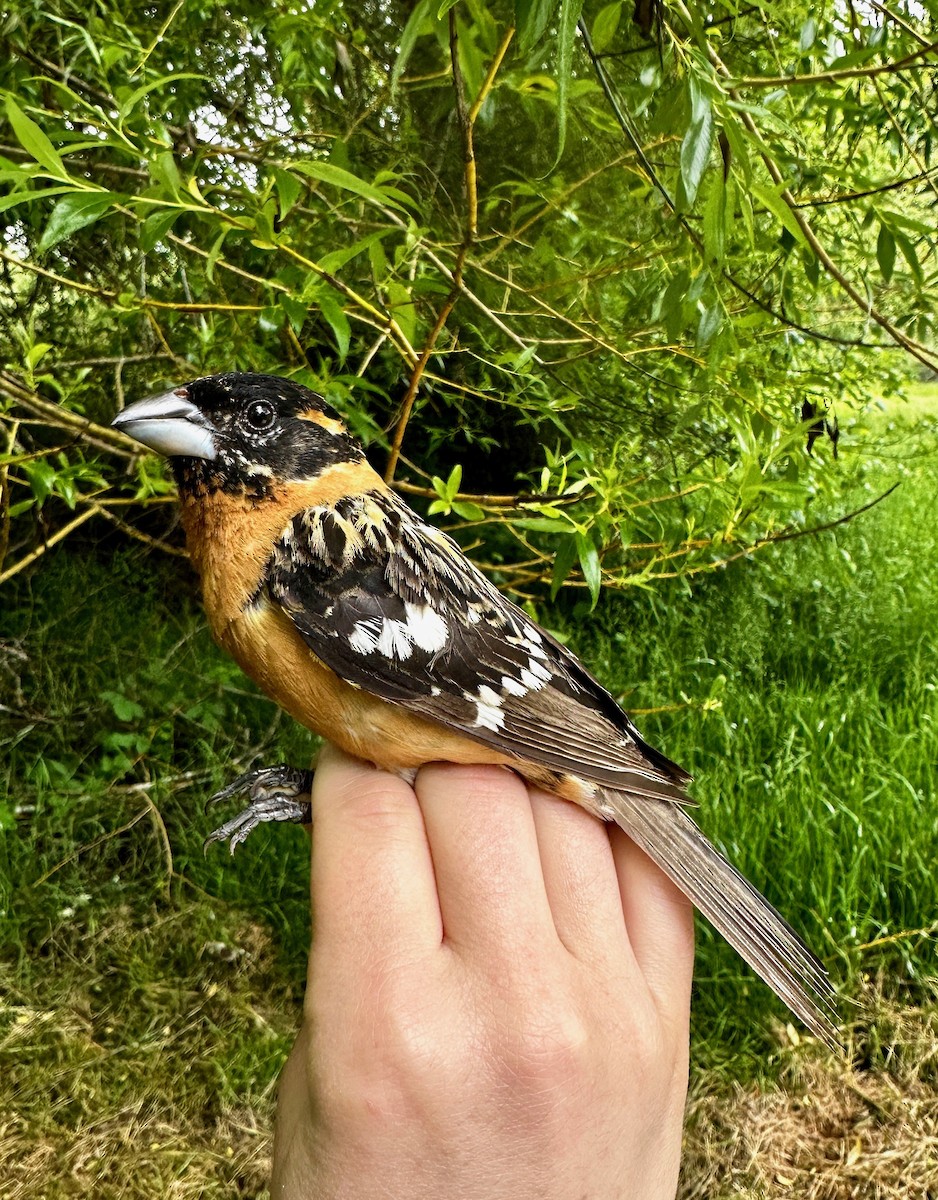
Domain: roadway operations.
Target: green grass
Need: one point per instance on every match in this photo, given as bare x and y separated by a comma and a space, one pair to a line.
148, 989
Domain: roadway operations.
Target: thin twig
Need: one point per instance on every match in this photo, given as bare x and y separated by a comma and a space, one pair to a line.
922, 353
104, 837
777, 81
846, 197
51, 541
466, 119
114, 442
5, 493
488, 501
904, 936
132, 531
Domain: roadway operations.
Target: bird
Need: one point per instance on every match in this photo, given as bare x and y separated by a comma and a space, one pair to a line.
372, 628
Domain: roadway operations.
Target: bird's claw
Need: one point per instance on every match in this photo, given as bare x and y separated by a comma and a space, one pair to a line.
274, 794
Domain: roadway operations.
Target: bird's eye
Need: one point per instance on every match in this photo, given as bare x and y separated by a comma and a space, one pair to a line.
260, 415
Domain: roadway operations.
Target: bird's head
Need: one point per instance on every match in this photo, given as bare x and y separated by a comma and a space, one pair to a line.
240, 433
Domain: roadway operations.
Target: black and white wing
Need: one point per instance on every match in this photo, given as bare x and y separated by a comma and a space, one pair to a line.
393, 606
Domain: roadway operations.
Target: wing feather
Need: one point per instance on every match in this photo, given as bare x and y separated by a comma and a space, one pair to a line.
393, 606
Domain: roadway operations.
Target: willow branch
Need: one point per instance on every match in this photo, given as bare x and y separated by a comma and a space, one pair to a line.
655, 181
99, 435
846, 197
776, 81
50, 541
922, 353
466, 118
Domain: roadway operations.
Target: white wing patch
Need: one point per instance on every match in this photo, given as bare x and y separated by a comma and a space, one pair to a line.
421, 627
513, 687
364, 636
489, 714
426, 628
394, 641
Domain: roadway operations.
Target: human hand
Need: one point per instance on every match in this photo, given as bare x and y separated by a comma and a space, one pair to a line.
497, 1002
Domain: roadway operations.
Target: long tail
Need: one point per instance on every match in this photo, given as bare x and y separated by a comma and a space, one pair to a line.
745, 918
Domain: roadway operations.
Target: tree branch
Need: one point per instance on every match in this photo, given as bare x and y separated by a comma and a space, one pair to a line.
466, 119
776, 81
922, 353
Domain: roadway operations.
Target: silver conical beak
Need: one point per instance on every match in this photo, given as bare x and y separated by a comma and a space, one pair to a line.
170, 424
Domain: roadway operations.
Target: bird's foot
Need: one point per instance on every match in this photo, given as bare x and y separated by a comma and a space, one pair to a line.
274, 794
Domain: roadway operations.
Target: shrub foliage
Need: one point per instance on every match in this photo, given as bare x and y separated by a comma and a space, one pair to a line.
592, 281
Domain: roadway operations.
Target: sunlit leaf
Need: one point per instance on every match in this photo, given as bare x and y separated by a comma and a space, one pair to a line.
338, 177
606, 25
589, 565
532, 18
771, 199
698, 140
34, 141
566, 34
74, 212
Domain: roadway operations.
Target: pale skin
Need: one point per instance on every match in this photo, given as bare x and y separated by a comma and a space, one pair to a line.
497, 1003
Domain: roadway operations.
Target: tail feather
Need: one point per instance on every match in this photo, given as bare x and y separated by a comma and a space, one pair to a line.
745, 918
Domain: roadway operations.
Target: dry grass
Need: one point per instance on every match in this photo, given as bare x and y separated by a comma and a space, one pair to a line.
828, 1131
145, 1086
136, 1152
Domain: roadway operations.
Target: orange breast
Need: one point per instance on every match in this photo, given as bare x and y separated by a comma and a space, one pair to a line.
265, 644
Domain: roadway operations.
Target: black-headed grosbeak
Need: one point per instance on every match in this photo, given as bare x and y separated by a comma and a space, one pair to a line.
372, 628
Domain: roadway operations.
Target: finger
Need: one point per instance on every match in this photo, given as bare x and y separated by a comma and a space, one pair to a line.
660, 923
372, 886
580, 879
485, 856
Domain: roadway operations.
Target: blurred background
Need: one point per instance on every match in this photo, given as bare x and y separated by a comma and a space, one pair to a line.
637, 301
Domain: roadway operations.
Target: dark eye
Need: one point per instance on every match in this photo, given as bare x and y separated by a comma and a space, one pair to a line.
260, 415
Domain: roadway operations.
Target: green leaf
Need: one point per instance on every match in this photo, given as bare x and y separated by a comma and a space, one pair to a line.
288, 190
532, 18
771, 199
122, 707
33, 140
402, 308
542, 525
886, 252
710, 321
569, 16
455, 479
698, 140
271, 318
215, 253
338, 321
468, 511
74, 212
808, 35
412, 30
606, 25
13, 198
714, 220
910, 254
338, 177
296, 310
163, 171
563, 563
335, 260
589, 565
130, 102
156, 227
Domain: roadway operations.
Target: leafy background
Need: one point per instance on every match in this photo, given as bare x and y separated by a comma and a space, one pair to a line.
627, 299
